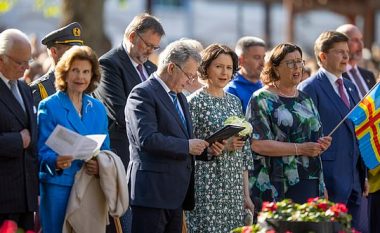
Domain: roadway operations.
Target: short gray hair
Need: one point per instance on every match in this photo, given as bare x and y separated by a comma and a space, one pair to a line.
246, 42
177, 52
8, 37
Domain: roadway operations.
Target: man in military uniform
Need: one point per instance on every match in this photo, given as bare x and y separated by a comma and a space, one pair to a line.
57, 42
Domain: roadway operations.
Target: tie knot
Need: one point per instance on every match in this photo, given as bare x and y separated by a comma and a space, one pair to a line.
173, 95
12, 83
353, 71
339, 81
139, 67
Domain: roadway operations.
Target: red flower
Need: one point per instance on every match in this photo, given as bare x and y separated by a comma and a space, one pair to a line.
269, 206
246, 229
323, 206
310, 200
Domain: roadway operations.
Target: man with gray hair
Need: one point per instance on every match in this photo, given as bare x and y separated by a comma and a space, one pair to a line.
363, 79
18, 134
251, 53
161, 169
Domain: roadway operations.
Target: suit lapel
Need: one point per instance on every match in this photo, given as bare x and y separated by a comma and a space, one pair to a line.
168, 103
133, 76
72, 115
12, 104
335, 98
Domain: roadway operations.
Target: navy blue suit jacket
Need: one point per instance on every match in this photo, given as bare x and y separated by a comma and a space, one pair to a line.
119, 77
341, 160
161, 170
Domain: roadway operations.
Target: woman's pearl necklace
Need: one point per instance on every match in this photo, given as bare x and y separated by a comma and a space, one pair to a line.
285, 95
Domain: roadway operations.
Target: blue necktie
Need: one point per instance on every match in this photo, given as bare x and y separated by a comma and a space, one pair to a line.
177, 107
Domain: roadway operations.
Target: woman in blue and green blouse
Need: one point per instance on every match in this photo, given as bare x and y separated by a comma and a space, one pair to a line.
287, 135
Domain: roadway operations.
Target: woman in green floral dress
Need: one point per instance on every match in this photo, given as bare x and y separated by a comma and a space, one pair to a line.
221, 184
287, 133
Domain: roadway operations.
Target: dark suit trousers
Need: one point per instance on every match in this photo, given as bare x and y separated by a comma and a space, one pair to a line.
153, 220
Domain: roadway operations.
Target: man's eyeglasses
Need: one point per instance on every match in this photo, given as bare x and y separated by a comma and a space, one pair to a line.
153, 47
191, 78
291, 64
20, 63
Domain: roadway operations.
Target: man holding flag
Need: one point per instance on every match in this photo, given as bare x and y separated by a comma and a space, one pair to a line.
334, 97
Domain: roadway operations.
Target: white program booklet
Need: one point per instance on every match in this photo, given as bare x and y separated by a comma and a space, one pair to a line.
67, 142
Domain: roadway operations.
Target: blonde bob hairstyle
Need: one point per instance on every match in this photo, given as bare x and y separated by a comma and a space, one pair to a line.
64, 65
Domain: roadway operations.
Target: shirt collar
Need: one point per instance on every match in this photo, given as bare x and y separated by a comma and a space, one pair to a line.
5, 80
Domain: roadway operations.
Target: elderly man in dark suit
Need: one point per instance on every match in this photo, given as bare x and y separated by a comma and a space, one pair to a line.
57, 43
334, 97
122, 69
161, 170
18, 133
363, 79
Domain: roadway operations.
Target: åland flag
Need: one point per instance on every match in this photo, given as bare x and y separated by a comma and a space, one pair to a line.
366, 118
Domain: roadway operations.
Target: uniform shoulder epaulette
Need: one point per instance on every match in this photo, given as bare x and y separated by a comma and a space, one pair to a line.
39, 80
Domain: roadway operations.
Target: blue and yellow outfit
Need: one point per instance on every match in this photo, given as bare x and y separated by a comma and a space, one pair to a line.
55, 186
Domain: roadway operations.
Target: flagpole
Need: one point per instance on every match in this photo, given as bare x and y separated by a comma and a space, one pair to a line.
341, 122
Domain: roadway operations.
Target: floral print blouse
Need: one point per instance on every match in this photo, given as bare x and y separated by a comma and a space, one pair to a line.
284, 119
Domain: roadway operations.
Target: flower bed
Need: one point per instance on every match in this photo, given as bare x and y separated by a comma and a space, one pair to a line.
317, 215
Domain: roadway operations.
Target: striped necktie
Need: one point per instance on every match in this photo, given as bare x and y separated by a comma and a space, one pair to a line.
177, 107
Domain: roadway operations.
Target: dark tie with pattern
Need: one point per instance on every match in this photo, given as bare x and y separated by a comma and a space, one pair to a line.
141, 71
177, 107
358, 81
343, 96
17, 95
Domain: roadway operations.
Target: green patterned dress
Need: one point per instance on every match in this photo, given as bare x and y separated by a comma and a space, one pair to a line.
287, 120
219, 201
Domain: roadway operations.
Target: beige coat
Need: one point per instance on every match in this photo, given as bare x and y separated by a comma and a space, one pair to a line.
92, 199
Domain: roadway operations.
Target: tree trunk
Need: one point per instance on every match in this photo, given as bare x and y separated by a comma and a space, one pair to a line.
89, 14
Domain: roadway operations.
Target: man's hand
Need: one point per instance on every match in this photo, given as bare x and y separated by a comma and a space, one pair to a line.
25, 135
197, 146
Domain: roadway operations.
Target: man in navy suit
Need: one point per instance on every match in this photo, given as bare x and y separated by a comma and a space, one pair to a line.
161, 169
18, 133
123, 68
363, 79
334, 97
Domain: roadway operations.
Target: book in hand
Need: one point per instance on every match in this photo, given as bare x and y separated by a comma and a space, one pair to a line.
67, 142
224, 133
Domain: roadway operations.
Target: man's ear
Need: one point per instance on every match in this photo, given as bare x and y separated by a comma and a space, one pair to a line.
241, 60
132, 36
322, 56
170, 68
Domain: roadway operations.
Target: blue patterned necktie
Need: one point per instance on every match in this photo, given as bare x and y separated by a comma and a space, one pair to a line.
177, 107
